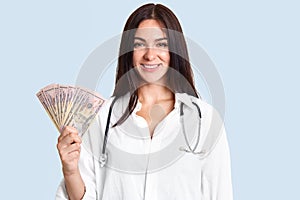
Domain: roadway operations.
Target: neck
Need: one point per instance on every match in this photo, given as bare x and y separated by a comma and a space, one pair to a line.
152, 93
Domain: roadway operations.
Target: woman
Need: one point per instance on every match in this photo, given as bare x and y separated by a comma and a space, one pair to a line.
155, 147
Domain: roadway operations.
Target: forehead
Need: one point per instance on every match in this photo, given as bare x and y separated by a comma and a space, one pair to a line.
150, 29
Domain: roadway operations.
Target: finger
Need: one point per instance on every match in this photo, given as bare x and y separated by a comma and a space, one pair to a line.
67, 130
66, 158
71, 148
73, 155
65, 151
68, 140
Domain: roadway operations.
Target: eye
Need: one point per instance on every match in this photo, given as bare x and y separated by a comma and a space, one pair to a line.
162, 45
138, 45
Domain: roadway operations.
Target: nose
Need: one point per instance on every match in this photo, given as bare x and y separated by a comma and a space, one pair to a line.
150, 54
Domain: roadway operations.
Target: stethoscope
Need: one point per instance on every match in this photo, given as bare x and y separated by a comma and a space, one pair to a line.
188, 149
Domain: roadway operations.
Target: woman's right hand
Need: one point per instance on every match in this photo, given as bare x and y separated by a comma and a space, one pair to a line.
68, 146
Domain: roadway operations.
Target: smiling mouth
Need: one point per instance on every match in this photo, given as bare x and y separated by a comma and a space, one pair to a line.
150, 67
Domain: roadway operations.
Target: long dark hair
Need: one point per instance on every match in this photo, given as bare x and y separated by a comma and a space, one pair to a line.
127, 79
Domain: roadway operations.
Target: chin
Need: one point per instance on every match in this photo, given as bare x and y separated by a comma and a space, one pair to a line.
157, 80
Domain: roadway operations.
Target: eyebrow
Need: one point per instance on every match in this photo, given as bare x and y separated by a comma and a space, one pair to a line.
156, 40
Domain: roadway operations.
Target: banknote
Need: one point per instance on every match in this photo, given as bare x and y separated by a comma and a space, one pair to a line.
40, 96
69, 105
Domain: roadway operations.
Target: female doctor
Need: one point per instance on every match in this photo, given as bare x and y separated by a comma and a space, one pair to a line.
154, 139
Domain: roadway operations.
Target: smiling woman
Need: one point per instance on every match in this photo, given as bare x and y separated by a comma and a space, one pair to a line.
153, 130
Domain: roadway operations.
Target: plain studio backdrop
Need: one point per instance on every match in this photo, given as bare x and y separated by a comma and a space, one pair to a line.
254, 45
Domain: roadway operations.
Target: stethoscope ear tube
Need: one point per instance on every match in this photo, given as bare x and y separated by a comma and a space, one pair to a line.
189, 149
199, 111
103, 156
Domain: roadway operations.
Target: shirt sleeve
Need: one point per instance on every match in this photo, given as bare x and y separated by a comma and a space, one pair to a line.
216, 172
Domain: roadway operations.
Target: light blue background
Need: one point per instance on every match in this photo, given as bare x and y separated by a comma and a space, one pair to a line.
254, 44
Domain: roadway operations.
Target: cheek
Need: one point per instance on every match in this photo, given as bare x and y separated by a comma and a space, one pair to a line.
165, 56
136, 56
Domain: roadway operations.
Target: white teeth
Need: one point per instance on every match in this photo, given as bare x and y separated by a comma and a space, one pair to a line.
150, 66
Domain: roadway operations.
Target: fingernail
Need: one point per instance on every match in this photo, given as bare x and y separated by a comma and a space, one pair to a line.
62, 128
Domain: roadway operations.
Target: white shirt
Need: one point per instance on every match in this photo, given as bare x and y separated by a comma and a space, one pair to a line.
141, 168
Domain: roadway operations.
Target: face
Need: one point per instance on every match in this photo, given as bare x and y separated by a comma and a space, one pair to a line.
151, 52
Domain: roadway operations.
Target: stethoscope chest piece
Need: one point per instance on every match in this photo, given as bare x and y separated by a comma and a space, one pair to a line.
103, 159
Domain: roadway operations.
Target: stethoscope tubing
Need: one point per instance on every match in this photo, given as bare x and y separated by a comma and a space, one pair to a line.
189, 149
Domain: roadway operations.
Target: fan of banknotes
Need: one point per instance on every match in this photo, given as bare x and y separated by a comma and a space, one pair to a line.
70, 105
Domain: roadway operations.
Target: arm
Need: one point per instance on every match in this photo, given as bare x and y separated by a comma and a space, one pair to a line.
74, 185
69, 146
87, 172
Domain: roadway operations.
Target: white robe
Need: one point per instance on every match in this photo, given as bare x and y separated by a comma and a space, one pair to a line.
141, 168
